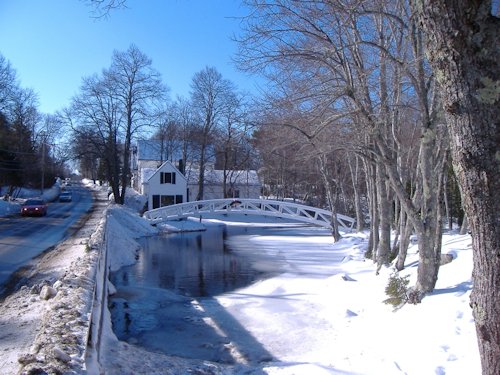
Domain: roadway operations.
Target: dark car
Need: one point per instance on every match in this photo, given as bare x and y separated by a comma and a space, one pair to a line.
34, 207
65, 196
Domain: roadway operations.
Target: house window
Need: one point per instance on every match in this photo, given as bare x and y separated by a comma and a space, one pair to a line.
166, 200
167, 177
156, 201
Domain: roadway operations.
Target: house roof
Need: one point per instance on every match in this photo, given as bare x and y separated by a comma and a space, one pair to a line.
148, 173
216, 177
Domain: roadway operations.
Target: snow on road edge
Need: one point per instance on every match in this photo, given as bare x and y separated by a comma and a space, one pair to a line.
56, 301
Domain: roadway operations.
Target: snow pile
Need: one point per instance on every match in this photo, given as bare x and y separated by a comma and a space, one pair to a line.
49, 194
184, 225
135, 201
12, 206
123, 227
9, 207
60, 344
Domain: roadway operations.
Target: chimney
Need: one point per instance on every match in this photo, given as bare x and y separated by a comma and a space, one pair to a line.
181, 166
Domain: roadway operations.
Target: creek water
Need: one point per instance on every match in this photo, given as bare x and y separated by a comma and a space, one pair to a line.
165, 301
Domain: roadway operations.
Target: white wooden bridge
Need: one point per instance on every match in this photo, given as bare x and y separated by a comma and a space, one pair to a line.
283, 209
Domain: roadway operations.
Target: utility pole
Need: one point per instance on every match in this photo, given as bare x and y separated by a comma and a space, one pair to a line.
43, 135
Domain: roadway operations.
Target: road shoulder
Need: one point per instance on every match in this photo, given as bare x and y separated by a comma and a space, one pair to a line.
43, 325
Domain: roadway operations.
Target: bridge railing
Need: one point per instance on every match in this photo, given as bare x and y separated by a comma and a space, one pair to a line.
274, 208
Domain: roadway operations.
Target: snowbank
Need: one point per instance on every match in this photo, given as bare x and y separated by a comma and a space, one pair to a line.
58, 304
339, 325
184, 225
123, 227
12, 206
9, 208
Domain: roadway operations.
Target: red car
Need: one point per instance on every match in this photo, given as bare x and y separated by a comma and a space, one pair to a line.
34, 207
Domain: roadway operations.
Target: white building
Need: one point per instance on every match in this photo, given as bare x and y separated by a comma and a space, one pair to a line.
239, 184
147, 155
153, 171
163, 186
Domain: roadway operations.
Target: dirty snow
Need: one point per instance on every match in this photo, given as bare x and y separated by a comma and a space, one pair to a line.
50, 334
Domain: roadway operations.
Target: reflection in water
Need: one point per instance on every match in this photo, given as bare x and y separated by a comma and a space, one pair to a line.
162, 301
190, 264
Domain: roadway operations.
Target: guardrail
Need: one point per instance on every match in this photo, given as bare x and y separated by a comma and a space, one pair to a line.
99, 302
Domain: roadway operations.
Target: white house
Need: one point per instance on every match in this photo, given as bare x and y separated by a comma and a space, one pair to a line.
152, 159
239, 184
147, 155
163, 186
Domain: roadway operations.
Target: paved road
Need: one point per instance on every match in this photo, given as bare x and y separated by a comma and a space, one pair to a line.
24, 238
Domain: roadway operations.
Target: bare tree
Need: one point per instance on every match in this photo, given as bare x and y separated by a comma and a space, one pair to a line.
175, 128
283, 172
357, 60
311, 135
462, 45
136, 87
116, 107
102, 8
95, 115
86, 148
211, 96
8, 83
233, 149
354, 163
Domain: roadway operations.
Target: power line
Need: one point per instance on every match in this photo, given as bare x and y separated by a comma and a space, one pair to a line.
11, 169
18, 152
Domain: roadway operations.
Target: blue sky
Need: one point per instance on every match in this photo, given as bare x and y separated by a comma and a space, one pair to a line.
53, 44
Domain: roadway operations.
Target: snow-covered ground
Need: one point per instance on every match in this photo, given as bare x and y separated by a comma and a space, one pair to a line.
319, 317
12, 206
324, 317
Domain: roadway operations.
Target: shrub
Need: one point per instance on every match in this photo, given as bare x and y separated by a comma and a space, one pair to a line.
397, 290
368, 254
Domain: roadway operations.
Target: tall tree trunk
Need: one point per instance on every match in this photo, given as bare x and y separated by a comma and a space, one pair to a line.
397, 229
113, 166
125, 175
332, 195
428, 244
384, 205
356, 186
201, 173
404, 242
462, 40
373, 208
465, 226
447, 203
424, 215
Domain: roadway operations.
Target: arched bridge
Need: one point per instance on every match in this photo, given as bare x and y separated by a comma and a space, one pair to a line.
299, 212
